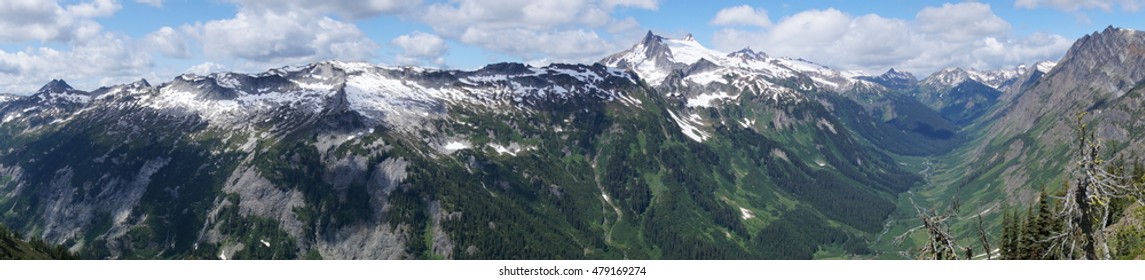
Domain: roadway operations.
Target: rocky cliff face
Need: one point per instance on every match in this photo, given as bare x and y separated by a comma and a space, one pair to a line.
1097, 71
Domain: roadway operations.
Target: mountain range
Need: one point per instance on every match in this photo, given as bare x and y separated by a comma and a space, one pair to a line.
665, 150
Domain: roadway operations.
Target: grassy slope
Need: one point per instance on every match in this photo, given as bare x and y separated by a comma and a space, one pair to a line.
974, 176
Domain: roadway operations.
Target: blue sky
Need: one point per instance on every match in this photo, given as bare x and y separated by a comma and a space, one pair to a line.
102, 42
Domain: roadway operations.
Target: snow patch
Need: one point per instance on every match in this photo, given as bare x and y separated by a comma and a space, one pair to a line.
628, 100
512, 149
747, 214
689, 129
707, 78
690, 51
705, 100
1045, 66
455, 145
264, 243
828, 125
746, 123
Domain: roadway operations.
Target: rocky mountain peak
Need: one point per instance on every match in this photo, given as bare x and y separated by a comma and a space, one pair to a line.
56, 86
748, 54
947, 77
901, 75
653, 47
1113, 57
141, 83
893, 79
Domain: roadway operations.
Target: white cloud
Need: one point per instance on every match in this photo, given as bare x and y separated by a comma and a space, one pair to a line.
154, 3
24, 20
641, 4
267, 39
102, 59
420, 48
961, 22
560, 30
349, 9
206, 68
73, 46
1075, 5
167, 41
872, 43
742, 15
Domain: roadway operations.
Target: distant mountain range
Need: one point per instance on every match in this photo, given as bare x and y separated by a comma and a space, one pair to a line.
666, 150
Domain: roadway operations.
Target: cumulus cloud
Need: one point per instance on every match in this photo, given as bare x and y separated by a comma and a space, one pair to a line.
961, 22
206, 68
560, 30
420, 48
642, 4
348, 9
742, 15
62, 40
102, 59
24, 20
1075, 5
167, 41
266, 38
873, 43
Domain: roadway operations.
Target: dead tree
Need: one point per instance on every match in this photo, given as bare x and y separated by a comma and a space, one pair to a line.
983, 238
940, 244
1085, 207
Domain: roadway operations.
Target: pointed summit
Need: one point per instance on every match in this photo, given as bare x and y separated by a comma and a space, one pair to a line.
650, 39
895, 73
689, 38
142, 83
58, 92
947, 77
894, 79
1115, 50
56, 86
748, 54
651, 54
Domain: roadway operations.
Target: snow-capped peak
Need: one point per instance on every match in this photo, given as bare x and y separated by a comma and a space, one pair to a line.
57, 91
948, 77
651, 58
748, 54
893, 79
403, 98
142, 83
4, 97
656, 57
902, 75
1045, 66
688, 51
999, 79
